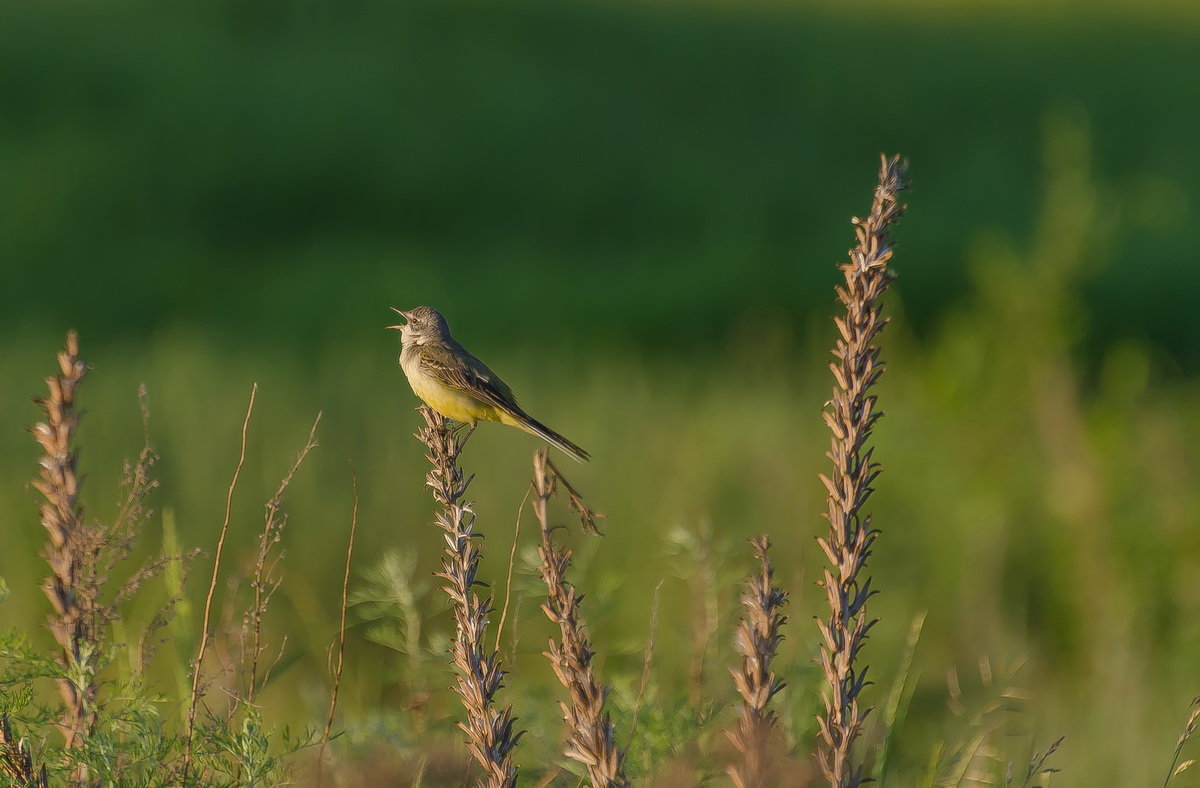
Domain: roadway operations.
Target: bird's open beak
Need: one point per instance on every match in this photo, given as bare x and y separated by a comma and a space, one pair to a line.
402, 314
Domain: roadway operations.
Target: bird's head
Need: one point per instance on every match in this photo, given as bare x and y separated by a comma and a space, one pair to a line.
421, 325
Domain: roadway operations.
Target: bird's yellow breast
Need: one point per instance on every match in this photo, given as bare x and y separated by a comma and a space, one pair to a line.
451, 403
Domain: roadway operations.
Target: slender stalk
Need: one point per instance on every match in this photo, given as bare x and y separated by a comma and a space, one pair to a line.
851, 415
490, 734
1189, 730
757, 639
647, 664
1037, 764
212, 590
265, 581
512, 560
341, 646
590, 738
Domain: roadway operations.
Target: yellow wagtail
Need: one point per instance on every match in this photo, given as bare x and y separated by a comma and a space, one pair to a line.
459, 386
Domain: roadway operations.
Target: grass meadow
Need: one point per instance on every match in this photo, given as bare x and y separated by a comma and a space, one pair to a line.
655, 279
1036, 531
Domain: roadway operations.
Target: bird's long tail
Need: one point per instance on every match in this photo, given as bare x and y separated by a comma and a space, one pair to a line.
534, 427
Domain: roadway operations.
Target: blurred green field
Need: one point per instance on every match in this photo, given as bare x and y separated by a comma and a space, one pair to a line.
257, 172
633, 213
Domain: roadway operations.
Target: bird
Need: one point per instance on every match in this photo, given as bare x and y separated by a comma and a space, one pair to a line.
447, 378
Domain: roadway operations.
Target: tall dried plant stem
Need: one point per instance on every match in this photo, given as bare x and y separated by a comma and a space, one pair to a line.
851, 415
757, 639
194, 698
590, 738
490, 735
73, 623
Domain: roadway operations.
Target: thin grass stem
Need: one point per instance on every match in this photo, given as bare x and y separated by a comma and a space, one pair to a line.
265, 582
341, 645
194, 696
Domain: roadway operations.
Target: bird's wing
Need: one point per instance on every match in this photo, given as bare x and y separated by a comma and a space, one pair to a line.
462, 371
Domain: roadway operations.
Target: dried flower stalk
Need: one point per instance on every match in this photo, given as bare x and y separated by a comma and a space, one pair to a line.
82, 557
590, 738
490, 734
851, 415
16, 762
74, 621
757, 640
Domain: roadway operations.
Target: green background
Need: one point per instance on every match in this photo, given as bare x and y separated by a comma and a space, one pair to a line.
633, 211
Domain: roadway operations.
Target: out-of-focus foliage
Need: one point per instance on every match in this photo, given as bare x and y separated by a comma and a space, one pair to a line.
279, 171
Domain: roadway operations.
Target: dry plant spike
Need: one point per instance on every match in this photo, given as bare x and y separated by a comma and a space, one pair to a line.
851, 414
194, 697
590, 738
490, 734
16, 762
757, 639
74, 622
83, 558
